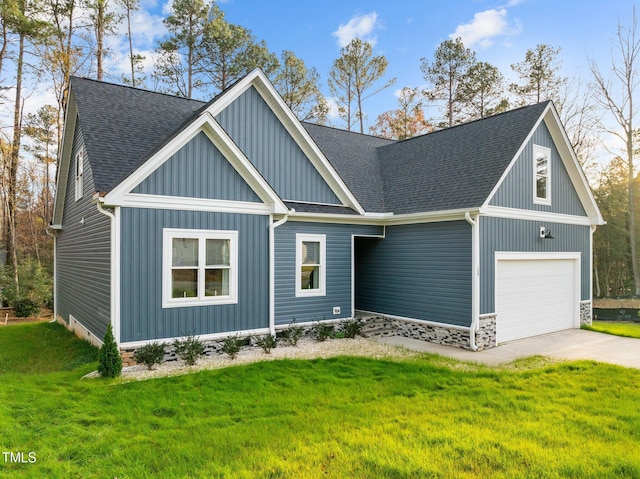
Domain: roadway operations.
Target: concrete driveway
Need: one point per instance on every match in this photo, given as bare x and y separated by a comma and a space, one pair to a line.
570, 344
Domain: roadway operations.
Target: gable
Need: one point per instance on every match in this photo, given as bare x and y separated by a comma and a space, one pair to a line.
516, 190
197, 170
265, 141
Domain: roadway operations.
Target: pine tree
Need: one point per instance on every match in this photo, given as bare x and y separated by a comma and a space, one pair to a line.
109, 360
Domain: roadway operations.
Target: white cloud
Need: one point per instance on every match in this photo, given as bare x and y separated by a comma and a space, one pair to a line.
333, 114
360, 26
484, 28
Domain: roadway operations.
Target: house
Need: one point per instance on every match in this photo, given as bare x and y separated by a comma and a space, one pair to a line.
174, 216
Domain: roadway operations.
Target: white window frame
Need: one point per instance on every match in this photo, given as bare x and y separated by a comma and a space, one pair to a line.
539, 151
169, 235
79, 174
321, 290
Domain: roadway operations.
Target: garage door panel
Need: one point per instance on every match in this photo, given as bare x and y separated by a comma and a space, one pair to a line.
535, 296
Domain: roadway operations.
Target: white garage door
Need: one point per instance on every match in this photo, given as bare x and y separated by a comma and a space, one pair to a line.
536, 296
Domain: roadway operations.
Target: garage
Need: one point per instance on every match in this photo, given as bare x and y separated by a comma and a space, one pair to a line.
536, 294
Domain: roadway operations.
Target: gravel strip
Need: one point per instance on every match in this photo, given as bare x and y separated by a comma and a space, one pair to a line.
306, 349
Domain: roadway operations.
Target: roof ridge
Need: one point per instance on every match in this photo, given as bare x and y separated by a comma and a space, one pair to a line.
470, 122
130, 87
342, 130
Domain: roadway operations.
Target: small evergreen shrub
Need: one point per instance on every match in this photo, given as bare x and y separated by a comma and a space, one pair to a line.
293, 334
150, 355
189, 349
353, 327
231, 345
267, 343
322, 331
109, 359
24, 307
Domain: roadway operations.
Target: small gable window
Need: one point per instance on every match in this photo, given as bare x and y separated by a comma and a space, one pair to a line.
79, 172
542, 175
200, 267
310, 265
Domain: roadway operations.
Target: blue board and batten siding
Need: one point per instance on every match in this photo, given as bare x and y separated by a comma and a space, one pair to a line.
419, 271
198, 170
511, 235
142, 315
265, 141
338, 271
516, 191
83, 254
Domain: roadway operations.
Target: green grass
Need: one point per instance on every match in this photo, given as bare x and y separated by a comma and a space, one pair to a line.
342, 417
629, 330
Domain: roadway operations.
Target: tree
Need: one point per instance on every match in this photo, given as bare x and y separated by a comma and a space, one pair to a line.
109, 359
104, 23
451, 62
298, 86
228, 52
135, 59
616, 95
405, 122
481, 91
42, 127
177, 61
539, 80
351, 77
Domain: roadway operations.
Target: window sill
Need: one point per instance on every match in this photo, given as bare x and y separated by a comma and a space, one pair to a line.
198, 302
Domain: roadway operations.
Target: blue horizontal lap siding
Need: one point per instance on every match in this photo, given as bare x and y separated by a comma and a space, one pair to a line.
516, 190
420, 271
198, 170
502, 234
338, 272
269, 146
83, 249
142, 315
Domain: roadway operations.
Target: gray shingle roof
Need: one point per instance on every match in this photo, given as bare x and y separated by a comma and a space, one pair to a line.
124, 126
355, 159
448, 169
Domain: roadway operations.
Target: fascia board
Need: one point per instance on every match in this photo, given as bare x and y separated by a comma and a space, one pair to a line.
71, 115
259, 81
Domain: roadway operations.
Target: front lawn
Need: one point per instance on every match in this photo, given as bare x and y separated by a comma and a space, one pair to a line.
342, 417
629, 330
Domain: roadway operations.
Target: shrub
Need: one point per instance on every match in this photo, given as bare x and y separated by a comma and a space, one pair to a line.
35, 290
109, 360
150, 355
189, 349
23, 307
267, 343
322, 331
353, 327
231, 345
293, 333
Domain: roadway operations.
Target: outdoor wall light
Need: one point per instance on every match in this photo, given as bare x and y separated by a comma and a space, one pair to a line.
545, 233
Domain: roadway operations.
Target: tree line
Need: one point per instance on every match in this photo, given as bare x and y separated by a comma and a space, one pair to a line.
45, 42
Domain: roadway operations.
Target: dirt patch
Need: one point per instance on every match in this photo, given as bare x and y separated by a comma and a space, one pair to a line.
7, 317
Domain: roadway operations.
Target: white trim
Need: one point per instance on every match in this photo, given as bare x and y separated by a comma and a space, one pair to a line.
337, 205
321, 290
78, 167
263, 86
202, 337
168, 235
381, 219
532, 215
536, 152
533, 255
423, 322
207, 124
475, 278
114, 286
137, 200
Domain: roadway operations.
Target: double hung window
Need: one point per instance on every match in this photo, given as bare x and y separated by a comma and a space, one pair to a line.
199, 267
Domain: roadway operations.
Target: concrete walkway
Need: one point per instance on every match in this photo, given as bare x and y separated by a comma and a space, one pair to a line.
571, 344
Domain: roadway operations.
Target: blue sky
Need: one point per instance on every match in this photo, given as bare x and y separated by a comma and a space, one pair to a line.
499, 31
406, 30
